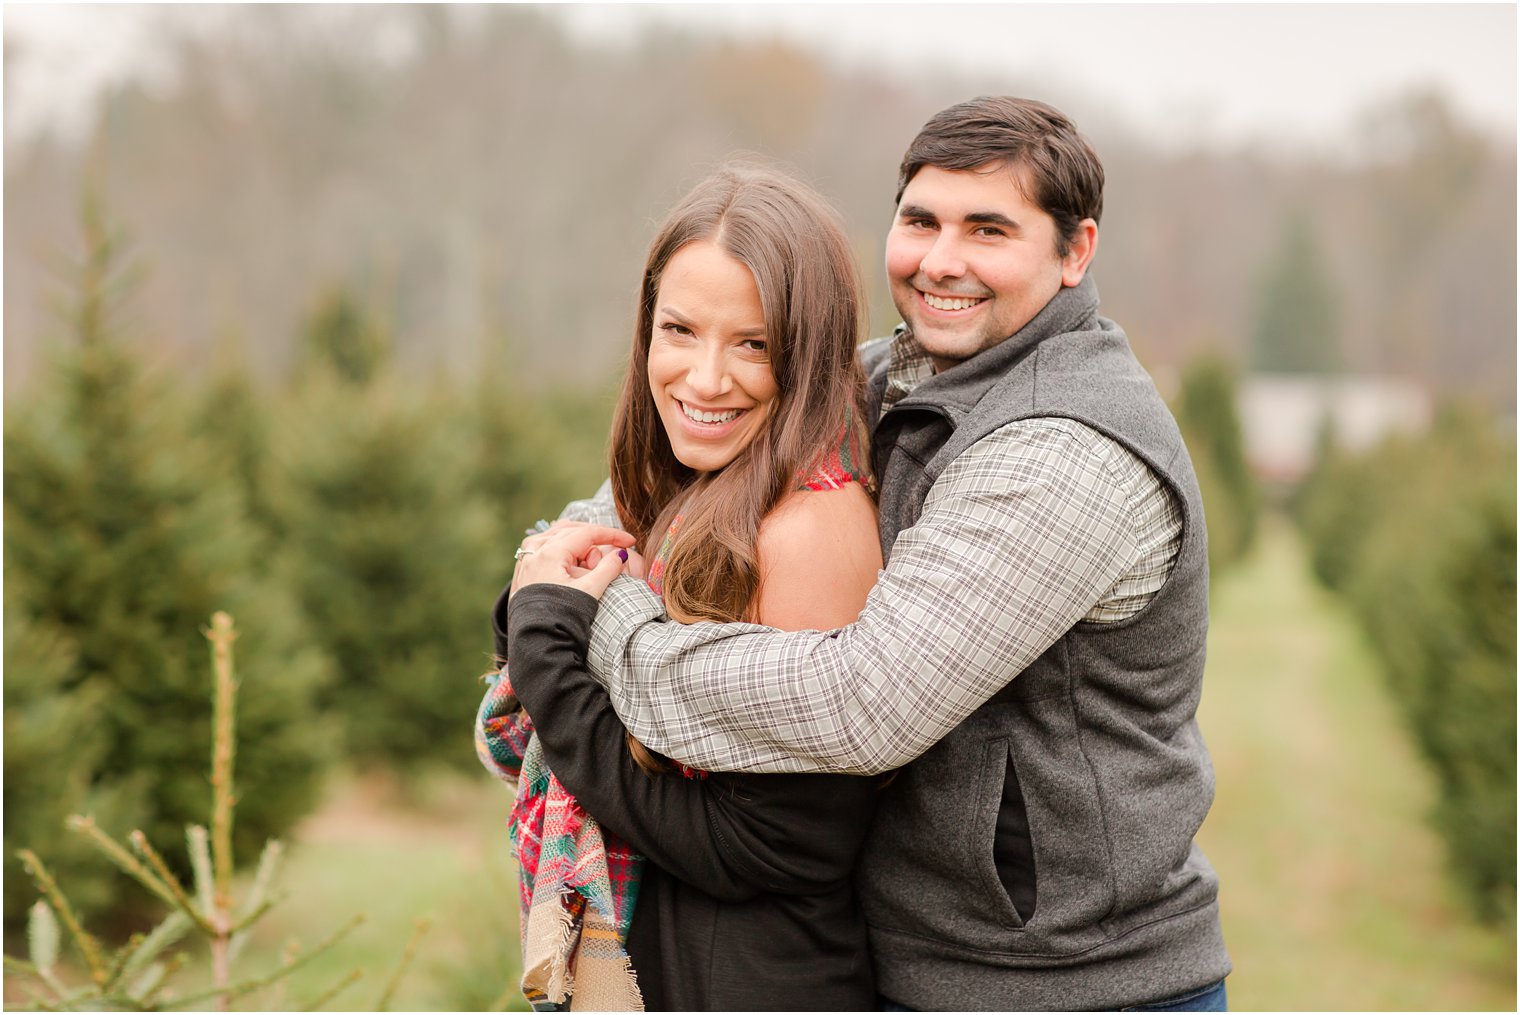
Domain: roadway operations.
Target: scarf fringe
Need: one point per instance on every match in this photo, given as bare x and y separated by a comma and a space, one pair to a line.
548, 941
605, 979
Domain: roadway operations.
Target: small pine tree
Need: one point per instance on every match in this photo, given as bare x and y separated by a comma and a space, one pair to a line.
1296, 326
234, 419
1206, 413
392, 551
122, 533
142, 974
341, 337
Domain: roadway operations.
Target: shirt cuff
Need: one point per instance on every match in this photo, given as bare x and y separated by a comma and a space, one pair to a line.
626, 604
540, 602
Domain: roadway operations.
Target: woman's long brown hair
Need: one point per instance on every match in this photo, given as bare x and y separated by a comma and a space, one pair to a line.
793, 243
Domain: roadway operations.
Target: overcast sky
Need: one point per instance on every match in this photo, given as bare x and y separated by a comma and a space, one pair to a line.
1193, 73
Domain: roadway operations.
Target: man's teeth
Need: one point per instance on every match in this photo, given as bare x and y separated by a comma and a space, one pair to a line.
709, 417
958, 303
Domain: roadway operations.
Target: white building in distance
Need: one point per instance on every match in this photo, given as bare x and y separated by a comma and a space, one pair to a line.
1282, 416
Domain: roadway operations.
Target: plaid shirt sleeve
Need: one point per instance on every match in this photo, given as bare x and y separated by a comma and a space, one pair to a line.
598, 509
1024, 535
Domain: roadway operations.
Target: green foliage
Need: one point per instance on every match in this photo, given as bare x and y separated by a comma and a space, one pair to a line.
397, 508
122, 532
1210, 425
343, 339
392, 551
133, 977
233, 416
533, 453
361, 524
1296, 326
49, 763
1419, 536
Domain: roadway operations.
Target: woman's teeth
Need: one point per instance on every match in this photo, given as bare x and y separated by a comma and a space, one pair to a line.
699, 416
956, 303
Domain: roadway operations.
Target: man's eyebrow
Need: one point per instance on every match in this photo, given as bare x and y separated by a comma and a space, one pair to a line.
984, 218
992, 218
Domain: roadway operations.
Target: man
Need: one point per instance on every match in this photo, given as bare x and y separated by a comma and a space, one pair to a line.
1033, 652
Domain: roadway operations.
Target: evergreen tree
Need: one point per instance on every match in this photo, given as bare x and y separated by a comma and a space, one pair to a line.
1296, 317
50, 766
1210, 423
343, 338
232, 416
533, 453
122, 535
394, 556
1419, 536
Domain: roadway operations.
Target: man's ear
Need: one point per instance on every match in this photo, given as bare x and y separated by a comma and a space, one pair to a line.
1079, 253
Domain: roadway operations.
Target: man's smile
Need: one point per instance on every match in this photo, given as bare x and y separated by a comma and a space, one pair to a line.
952, 302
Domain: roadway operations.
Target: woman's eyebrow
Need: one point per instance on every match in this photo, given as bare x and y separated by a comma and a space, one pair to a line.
671, 312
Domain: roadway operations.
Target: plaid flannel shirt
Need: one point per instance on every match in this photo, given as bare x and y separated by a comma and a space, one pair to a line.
1042, 524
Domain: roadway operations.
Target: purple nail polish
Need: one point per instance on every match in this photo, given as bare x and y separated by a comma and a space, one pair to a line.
623, 555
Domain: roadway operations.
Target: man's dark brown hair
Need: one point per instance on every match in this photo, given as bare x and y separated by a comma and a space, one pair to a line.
1056, 162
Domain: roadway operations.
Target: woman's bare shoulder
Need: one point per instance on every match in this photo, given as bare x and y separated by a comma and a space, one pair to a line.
819, 555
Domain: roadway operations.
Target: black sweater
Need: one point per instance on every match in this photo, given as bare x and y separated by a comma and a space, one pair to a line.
746, 902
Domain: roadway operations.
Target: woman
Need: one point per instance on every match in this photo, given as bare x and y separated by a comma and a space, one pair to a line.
736, 462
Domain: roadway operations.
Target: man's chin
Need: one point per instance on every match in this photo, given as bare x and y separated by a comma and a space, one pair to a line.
940, 341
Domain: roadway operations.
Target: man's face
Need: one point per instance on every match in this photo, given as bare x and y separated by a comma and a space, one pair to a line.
971, 260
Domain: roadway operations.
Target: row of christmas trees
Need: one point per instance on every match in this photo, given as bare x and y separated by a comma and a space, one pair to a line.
357, 523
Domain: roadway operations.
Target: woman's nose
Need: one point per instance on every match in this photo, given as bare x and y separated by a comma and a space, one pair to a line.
708, 374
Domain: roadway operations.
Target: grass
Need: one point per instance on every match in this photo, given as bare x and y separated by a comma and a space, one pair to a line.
1332, 884
437, 852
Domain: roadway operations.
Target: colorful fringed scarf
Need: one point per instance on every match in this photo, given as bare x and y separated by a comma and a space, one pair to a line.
578, 882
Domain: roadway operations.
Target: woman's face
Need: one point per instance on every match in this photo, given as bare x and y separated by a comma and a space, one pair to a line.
709, 368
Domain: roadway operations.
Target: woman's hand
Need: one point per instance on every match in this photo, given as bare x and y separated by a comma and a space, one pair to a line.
584, 557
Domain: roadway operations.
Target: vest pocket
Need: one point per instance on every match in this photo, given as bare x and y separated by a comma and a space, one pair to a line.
1004, 848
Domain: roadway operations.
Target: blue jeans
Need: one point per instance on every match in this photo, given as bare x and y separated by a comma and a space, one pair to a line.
1207, 999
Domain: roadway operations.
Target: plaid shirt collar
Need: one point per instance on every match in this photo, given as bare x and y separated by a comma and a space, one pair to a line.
908, 366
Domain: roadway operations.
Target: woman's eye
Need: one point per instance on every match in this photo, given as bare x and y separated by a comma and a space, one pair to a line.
755, 345
675, 329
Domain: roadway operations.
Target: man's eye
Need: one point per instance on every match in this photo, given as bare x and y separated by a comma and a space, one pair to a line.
989, 231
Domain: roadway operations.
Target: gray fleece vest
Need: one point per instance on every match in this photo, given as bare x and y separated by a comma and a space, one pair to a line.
1086, 776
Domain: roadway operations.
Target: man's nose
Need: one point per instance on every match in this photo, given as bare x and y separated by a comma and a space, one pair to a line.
944, 258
